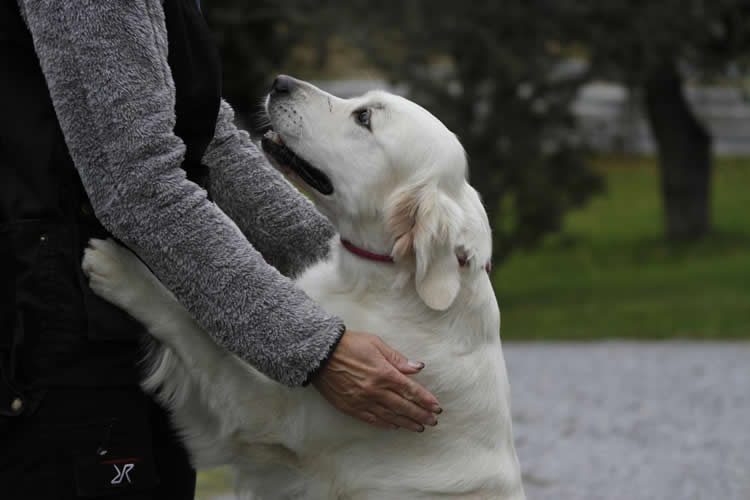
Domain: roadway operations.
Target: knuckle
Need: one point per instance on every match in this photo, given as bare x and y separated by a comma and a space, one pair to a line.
369, 418
406, 409
389, 414
421, 394
356, 394
417, 413
383, 376
404, 389
394, 357
377, 411
407, 393
368, 389
392, 406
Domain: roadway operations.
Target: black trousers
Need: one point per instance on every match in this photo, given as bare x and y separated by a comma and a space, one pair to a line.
112, 443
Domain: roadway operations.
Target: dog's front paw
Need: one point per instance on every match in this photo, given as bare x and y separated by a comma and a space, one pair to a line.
113, 272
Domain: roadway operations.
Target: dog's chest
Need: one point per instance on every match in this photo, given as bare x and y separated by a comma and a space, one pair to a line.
394, 314
461, 349
464, 369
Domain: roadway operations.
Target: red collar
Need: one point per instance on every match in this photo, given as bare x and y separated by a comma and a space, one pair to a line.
365, 254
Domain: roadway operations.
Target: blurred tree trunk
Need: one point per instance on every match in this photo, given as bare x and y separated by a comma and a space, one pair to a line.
684, 155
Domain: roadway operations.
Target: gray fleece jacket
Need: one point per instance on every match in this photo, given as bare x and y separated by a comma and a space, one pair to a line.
105, 63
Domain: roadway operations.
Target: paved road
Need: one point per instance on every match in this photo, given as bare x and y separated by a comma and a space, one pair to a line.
632, 421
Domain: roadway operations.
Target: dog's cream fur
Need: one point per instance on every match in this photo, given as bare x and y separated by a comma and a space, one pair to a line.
400, 189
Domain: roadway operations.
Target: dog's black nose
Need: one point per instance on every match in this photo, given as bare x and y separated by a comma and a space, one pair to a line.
282, 84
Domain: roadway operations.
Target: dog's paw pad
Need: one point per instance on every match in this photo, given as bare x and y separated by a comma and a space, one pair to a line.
97, 260
105, 265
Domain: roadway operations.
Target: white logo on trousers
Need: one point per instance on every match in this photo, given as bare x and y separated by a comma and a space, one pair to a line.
122, 473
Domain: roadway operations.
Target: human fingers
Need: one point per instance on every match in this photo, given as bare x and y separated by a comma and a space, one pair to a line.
401, 406
412, 391
344, 402
398, 360
399, 421
404, 386
375, 418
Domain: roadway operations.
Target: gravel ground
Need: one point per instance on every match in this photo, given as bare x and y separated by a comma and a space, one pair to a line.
635, 421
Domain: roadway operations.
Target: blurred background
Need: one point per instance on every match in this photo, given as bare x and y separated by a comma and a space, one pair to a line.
610, 140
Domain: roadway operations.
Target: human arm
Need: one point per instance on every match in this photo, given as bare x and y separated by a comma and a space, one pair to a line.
106, 69
279, 221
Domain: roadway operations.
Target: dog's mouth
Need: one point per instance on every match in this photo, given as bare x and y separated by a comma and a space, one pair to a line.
275, 147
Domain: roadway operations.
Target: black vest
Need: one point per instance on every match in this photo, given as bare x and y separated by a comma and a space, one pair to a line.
53, 330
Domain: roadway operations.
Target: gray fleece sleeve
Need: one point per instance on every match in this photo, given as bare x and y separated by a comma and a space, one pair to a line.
106, 68
281, 223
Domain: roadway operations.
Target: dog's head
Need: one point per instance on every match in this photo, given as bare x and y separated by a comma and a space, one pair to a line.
389, 175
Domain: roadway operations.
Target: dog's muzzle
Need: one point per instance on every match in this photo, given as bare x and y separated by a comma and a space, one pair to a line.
274, 146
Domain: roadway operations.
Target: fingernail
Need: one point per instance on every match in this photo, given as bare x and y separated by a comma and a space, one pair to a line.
437, 409
433, 422
419, 428
416, 364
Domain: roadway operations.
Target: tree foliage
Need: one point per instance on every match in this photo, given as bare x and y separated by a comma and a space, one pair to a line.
484, 68
488, 71
496, 73
628, 39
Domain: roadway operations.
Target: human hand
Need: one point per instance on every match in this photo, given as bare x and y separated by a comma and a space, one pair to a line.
366, 379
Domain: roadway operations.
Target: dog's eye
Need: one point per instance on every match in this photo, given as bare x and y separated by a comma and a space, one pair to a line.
363, 117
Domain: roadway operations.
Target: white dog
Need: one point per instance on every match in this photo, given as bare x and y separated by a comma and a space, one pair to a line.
392, 179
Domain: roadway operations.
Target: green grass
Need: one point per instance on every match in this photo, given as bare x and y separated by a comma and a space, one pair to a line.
214, 482
609, 274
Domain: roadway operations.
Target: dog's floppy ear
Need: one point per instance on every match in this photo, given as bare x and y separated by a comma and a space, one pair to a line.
425, 223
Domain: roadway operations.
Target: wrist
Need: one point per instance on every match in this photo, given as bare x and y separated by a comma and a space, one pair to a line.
313, 375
